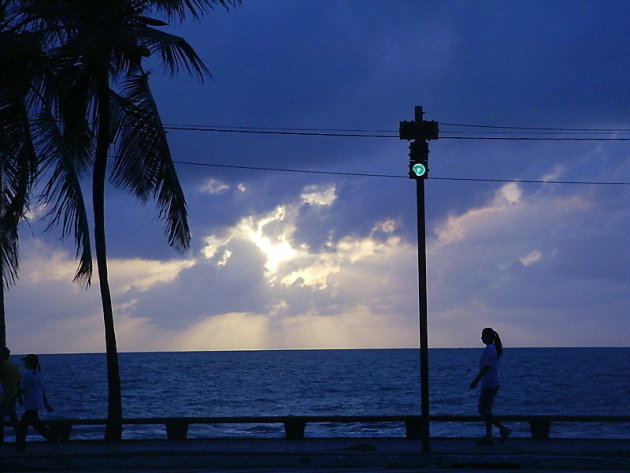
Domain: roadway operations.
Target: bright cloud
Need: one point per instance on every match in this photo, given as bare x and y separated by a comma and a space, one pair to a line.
287, 262
319, 195
356, 292
62, 316
215, 187
41, 263
271, 235
476, 222
531, 258
144, 274
509, 193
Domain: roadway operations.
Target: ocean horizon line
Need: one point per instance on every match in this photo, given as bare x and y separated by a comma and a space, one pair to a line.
254, 350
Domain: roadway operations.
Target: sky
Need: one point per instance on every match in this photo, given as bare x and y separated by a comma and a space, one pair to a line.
322, 258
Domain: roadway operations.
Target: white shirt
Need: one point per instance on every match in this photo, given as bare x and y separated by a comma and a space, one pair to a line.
490, 359
32, 391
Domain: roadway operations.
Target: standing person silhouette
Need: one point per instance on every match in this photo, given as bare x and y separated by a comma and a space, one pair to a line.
489, 365
33, 397
10, 379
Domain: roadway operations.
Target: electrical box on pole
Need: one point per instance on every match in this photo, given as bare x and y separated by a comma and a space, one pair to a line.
423, 130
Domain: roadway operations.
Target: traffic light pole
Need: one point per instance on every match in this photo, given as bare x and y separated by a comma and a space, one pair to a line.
422, 308
420, 132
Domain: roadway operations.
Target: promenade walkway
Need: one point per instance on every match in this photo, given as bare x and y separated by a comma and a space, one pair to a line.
358, 454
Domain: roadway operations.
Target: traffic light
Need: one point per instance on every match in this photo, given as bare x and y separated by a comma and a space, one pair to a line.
418, 160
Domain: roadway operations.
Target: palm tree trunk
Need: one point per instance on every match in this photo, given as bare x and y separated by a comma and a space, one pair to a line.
3, 323
113, 430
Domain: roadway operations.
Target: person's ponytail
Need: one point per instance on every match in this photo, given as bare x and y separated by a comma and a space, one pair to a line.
498, 344
491, 336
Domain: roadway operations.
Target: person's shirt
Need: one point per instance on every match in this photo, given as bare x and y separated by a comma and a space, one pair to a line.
490, 359
10, 379
32, 389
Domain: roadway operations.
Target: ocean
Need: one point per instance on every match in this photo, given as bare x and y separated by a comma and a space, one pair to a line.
575, 381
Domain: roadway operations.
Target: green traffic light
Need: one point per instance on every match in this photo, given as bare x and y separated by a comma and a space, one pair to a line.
419, 169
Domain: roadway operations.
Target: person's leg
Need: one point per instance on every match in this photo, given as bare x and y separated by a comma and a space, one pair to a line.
504, 431
486, 396
42, 429
492, 420
8, 410
12, 414
20, 439
496, 422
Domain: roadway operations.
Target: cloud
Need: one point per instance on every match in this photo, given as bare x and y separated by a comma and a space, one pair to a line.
145, 274
533, 257
319, 195
291, 264
215, 186
475, 222
514, 262
252, 285
487, 267
47, 312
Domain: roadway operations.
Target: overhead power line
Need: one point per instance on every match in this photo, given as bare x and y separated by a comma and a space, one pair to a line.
392, 176
529, 138
354, 133
280, 132
550, 129
460, 125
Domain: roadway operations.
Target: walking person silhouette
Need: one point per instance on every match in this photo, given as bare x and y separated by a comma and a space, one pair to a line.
32, 396
489, 366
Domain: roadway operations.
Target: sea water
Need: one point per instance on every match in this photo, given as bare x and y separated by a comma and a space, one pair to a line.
573, 381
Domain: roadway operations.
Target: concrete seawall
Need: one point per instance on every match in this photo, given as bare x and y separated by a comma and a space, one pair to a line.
363, 453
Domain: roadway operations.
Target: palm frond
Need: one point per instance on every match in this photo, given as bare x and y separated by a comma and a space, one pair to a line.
19, 55
143, 161
63, 191
175, 52
178, 9
15, 184
134, 142
9, 252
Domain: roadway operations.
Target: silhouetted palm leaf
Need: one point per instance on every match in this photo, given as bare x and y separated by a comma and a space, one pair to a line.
20, 58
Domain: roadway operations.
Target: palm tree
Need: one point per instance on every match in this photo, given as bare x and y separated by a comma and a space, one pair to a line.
104, 106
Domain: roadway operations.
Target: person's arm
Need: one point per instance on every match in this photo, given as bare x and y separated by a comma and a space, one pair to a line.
48, 406
482, 372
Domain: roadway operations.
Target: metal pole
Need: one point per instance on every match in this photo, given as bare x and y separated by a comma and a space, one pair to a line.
421, 132
422, 304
